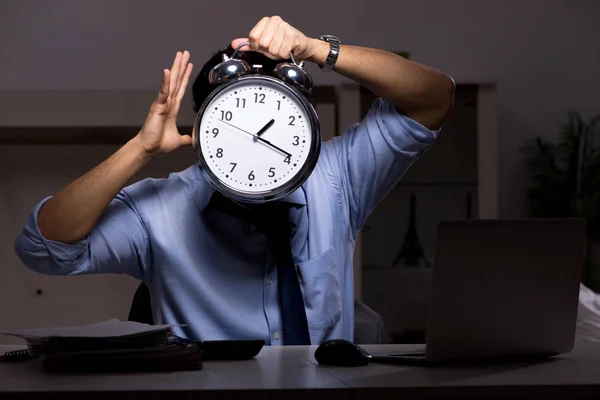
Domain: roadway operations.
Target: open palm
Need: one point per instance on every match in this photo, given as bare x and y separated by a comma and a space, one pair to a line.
159, 133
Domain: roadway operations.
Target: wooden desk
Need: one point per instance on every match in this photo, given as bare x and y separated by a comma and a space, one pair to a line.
292, 372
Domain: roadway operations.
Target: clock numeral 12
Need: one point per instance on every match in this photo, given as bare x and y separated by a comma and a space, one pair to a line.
260, 96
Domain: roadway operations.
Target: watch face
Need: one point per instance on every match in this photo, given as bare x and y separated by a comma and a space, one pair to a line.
256, 137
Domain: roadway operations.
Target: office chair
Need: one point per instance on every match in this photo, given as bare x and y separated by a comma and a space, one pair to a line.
368, 326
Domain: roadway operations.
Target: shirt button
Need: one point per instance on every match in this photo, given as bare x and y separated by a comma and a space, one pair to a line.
269, 281
277, 336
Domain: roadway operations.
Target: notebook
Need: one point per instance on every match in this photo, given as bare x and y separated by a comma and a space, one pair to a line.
111, 345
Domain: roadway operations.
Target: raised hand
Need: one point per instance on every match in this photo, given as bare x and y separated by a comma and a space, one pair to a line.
159, 133
276, 39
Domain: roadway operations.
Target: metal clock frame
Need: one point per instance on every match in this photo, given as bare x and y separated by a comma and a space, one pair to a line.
299, 178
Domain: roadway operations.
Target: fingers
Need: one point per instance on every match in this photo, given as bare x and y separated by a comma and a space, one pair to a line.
163, 95
275, 38
186, 140
185, 59
175, 73
256, 33
277, 41
184, 81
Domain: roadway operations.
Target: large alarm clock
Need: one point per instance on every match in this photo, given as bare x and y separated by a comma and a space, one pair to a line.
257, 136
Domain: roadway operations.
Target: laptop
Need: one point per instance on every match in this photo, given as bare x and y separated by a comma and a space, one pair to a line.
502, 289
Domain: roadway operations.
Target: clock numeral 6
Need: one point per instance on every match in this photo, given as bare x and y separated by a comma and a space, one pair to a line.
296, 140
251, 175
271, 172
219, 152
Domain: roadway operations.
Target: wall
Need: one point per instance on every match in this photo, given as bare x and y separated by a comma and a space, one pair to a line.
543, 56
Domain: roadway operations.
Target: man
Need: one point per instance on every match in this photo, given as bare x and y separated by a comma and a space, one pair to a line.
209, 265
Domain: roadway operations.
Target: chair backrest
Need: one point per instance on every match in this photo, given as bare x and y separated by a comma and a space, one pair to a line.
141, 306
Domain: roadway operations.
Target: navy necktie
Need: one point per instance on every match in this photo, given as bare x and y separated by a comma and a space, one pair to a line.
279, 229
274, 219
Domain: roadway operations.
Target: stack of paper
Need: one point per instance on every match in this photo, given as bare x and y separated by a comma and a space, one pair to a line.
111, 345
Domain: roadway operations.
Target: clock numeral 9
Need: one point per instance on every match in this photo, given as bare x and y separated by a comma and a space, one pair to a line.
292, 119
226, 115
271, 172
242, 101
215, 132
296, 140
251, 175
219, 153
260, 96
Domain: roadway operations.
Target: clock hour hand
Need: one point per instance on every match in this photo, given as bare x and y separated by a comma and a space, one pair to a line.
264, 128
259, 138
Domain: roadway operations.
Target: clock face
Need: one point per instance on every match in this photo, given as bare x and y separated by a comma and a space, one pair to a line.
255, 136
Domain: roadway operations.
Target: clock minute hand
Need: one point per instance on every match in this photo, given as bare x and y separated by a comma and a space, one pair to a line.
275, 147
259, 138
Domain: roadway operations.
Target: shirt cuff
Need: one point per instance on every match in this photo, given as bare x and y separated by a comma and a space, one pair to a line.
59, 252
403, 133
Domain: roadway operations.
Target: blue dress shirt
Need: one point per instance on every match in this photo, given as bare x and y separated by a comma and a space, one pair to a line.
213, 273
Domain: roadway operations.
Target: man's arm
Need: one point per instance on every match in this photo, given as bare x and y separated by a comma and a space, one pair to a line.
93, 225
370, 157
72, 213
421, 93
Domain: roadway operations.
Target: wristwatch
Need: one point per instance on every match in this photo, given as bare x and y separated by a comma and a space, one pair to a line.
334, 50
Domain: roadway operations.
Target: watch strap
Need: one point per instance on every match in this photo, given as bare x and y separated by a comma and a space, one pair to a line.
334, 51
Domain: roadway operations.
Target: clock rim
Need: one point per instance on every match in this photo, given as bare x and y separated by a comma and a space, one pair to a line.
292, 184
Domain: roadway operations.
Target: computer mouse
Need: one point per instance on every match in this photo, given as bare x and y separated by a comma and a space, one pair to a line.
340, 352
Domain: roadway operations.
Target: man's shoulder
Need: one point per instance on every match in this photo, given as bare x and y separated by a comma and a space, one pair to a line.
175, 183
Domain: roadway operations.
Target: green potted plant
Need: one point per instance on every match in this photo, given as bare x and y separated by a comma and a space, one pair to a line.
565, 182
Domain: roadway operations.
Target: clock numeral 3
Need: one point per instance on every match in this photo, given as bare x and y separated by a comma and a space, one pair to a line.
292, 119
259, 98
234, 165
271, 172
219, 153
240, 101
287, 160
215, 132
226, 115
251, 175
296, 140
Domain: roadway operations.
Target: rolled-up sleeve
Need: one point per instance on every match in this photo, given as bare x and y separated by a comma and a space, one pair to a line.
371, 157
117, 244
